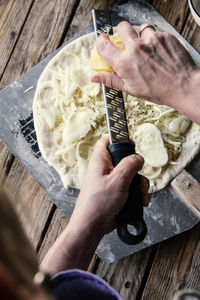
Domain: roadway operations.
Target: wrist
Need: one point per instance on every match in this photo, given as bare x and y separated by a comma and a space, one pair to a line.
80, 242
85, 227
73, 249
186, 98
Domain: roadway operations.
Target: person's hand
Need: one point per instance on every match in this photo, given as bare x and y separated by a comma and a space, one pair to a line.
154, 66
105, 188
103, 194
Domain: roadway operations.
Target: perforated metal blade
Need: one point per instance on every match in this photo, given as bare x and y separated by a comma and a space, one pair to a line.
114, 101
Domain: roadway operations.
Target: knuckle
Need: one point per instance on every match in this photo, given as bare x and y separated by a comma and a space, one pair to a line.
155, 37
135, 161
136, 48
102, 44
120, 65
122, 24
110, 81
167, 35
99, 143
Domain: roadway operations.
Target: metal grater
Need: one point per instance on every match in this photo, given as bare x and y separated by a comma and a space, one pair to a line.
120, 147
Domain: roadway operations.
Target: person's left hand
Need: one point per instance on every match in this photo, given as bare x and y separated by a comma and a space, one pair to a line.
105, 188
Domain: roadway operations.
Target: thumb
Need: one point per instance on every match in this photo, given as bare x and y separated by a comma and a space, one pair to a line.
127, 168
110, 79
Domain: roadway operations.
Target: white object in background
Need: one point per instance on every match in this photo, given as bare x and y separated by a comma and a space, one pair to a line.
195, 10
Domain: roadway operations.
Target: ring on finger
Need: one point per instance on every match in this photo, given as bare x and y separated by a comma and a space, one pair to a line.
145, 26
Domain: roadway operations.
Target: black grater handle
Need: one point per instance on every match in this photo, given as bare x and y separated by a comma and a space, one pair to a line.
132, 212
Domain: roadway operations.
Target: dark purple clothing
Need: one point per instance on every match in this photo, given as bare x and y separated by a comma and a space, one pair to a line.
78, 285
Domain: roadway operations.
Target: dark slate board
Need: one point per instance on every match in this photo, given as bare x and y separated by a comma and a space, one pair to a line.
167, 214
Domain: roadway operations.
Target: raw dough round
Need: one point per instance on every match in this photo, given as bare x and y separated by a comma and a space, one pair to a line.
69, 117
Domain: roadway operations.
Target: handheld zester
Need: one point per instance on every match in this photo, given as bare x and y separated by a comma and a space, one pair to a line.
120, 147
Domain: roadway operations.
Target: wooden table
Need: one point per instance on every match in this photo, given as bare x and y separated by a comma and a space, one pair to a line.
29, 31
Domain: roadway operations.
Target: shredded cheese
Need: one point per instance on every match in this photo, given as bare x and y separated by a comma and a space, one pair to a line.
72, 112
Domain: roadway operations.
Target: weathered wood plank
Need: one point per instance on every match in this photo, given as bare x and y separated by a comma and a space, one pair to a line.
83, 15
94, 264
175, 12
191, 33
133, 266
6, 159
12, 16
188, 188
176, 266
126, 275
178, 15
31, 203
40, 36
57, 225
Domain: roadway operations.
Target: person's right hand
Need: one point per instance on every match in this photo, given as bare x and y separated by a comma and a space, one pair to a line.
154, 66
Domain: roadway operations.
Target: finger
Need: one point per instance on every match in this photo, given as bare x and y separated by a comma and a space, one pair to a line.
101, 158
132, 142
127, 33
127, 168
144, 184
101, 146
111, 80
147, 32
145, 200
144, 187
106, 49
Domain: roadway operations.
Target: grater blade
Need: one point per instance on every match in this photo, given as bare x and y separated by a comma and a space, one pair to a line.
114, 101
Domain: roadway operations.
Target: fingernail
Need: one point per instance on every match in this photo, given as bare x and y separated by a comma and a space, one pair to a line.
146, 182
139, 157
95, 78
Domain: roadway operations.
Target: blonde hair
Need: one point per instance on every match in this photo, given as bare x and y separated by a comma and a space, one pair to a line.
16, 252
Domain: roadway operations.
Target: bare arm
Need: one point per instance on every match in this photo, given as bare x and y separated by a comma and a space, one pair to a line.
155, 67
102, 196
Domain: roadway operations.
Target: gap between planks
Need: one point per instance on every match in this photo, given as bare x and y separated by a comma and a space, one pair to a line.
15, 43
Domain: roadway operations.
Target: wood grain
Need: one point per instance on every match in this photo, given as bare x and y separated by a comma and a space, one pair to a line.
57, 225
126, 275
191, 33
31, 203
188, 188
175, 267
6, 159
142, 275
40, 36
175, 12
13, 14
83, 15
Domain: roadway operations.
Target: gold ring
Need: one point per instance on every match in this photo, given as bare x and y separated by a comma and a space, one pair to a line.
144, 26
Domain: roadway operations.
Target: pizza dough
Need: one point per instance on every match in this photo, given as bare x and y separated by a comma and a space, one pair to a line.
69, 117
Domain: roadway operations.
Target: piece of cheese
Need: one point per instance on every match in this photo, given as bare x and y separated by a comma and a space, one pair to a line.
97, 62
77, 126
150, 145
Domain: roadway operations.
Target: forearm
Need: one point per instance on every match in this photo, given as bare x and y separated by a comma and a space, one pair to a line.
74, 248
187, 99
